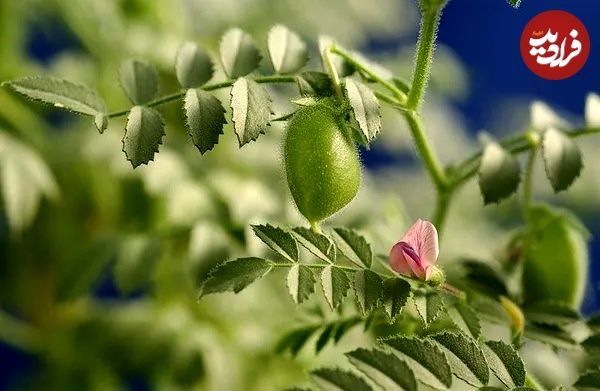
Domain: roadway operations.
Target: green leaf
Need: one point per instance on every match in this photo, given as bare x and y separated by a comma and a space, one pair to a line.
60, 93
25, 180
592, 344
505, 362
368, 287
300, 282
429, 305
466, 358
279, 240
465, 318
341, 380
594, 322
514, 3
562, 159
335, 284
288, 52
589, 381
395, 295
193, 66
484, 278
251, 107
344, 327
556, 257
318, 244
365, 106
385, 369
499, 173
205, 117
235, 275
325, 336
427, 361
101, 122
354, 246
295, 339
314, 83
402, 84
139, 81
239, 54
373, 68
136, 260
143, 134
553, 336
551, 314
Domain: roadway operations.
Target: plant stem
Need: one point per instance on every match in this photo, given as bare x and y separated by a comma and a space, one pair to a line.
335, 78
528, 181
210, 87
17, 333
430, 20
441, 208
531, 382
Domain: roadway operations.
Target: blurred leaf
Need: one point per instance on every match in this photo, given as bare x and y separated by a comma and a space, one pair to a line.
239, 54
589, 381
374, 68
341, 380
205, 117
315, 83
295, 339
101, 122
251, 107
365, 107
279, 240
562, 159
288, 52
62, 94
483, 278
368, 287
396, 293
139, 81
335, 284
592, 110
592, 344
543, 117
325, 336
385, 369
344, 326
551, 314
24, 180
426, 360
499, 173
354, 246
402, 84
505, 362
136, 261
193, 66
549, 335
465, 318
429, 305
514, 3
143, 134
235, 275
318, 244
466, 358
301, 283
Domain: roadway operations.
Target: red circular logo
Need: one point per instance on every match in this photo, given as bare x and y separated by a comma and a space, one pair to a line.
555, 45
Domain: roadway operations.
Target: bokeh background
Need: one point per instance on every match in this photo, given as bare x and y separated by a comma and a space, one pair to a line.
102, 261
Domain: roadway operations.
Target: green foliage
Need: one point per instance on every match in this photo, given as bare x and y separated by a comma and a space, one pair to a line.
340, 379
287, 51
139, 81
365, 107
505, 362
354, 246
193, 66
562, 159
301, 283
205, 117
239, 54
143, 134
396, 293
499, 174
251, 110
384, 369
279, 240
429, 305
465, 357
235, 275
368, 287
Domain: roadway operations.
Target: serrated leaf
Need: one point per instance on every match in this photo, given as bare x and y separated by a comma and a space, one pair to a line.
354, 246
490, 310
101, 122
592, 110
368, 287
341, 380
288, 52
396, 293
505, 362
251, 106
514, 3
235, 275
135, 262
429, 305
335, 284
139, 81
295, 340
365, 107
466, 358
562, 159
143, 134
589, 381
549, 335
465, 318
499, 173
239, 54
301, 283
279, 240
193, 66
325, 336
318, 244
427, 361
62, 94
205, 117
314, 83
551, 313
385, 369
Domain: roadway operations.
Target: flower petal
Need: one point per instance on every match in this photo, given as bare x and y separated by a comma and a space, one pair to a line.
412, 236
428, 249
404, 260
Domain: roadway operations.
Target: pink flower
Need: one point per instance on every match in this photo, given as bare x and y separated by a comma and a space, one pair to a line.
416, 253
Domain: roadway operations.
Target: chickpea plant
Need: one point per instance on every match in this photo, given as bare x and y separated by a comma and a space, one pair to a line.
433, 320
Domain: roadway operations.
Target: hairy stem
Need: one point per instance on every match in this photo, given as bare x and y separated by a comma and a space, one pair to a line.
333, 72
531, 382
441, 208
